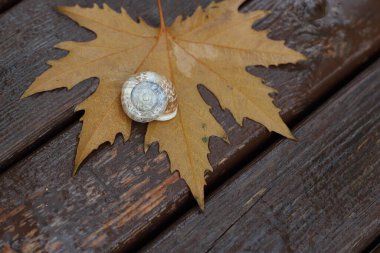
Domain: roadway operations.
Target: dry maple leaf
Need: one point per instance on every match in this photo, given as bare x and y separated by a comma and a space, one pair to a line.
212, 47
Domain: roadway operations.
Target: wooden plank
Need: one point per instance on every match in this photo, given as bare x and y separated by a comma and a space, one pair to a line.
122, 194
321, 194
28, 34
325, 32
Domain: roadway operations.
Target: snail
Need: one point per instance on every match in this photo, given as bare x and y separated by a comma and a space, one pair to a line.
148, 96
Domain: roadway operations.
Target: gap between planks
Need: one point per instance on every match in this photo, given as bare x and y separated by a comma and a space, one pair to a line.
194, 224
74, 121
7, 4
264, 149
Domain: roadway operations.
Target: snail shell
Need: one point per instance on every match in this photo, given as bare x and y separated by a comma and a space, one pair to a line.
148, 96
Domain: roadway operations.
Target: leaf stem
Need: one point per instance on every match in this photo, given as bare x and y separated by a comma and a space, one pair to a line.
162, 19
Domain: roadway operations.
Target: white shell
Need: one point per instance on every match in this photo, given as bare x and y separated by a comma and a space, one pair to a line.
148, 96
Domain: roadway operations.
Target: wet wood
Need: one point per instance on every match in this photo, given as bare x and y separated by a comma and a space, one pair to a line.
121, 194
321, 194
28, 33
326, 31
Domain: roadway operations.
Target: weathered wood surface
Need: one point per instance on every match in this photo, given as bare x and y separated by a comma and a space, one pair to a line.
321, 194
122, 194
28, 33
336, 36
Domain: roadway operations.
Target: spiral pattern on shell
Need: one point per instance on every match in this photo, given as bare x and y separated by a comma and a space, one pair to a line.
148, 96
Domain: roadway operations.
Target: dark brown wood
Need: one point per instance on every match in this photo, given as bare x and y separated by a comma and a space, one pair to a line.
122, 194
321, 194
376, 249
6, 4
328, 37
28, 33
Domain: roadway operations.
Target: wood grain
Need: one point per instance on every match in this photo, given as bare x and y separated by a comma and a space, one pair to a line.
325, 31
321, 194
28, 33
121, 194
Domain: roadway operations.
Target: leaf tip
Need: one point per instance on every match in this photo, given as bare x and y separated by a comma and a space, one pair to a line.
201, 202
29, 92
292, 137
289, 135
76, 167
107, 7
25, 95
146, 147
58, 8
302, 57
267, 12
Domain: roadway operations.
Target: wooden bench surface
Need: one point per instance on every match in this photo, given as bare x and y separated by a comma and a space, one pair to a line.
320, 194
121, 195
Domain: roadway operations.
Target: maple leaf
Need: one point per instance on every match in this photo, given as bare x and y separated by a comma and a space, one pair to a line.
212, 47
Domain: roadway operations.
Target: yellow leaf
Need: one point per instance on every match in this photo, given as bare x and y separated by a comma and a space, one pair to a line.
212, 47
